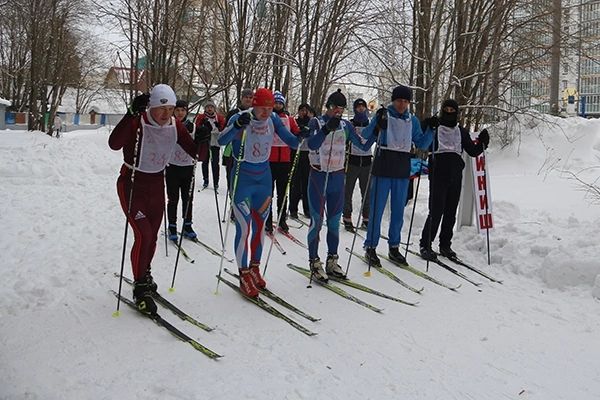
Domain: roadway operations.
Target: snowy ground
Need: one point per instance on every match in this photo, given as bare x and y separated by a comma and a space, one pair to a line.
534, 337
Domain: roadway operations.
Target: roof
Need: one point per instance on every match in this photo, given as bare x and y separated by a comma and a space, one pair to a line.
5, 102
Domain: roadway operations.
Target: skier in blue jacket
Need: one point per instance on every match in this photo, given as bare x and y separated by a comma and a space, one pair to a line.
397, 129
251, 133
327, 149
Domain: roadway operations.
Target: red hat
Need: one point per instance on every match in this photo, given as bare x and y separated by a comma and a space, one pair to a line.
263, 97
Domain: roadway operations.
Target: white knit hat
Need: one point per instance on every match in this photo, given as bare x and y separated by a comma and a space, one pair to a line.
162, 95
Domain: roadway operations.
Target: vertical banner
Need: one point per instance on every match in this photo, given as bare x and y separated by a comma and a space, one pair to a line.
481, 190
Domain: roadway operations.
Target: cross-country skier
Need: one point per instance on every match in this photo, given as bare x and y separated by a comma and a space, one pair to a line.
358, 168
252, 133
445, 175
280, 162
148, 140
327, 144
179, 174
299, 189
397, 129
244, 104
217, 124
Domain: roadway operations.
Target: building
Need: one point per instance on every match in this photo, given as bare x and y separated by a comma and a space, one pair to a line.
589, 59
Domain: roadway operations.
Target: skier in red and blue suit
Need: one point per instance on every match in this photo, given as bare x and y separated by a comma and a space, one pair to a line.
251, 133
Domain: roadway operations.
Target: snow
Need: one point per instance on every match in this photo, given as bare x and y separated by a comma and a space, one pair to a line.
5, 102
533, 337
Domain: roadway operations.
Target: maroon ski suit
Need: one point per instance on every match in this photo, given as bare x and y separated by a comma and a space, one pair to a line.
148, 200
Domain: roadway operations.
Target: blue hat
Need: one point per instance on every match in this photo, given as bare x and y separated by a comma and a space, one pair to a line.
279, 97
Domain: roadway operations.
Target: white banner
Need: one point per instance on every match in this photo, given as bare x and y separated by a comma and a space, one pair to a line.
482, 192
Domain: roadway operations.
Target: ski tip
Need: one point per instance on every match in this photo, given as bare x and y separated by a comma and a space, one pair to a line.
116, 314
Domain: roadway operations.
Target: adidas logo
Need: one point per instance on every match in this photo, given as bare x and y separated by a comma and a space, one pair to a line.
139, 215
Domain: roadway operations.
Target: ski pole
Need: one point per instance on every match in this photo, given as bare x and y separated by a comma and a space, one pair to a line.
412, 215
165, 226
285, 196
185, 214
362, 205
219, 214
239, 161
135, 153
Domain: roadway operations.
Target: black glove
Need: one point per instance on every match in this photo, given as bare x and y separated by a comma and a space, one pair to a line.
305, 132
206, 124
243, 120
332, 124
139, 104
432, 122
382, 118
484, 138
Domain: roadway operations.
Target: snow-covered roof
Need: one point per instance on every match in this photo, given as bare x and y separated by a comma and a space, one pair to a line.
104, 101
5, 102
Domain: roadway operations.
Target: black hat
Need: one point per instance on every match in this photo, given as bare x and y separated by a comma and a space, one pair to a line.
336, 99
359, 102
450, 103
181, 104
402, 92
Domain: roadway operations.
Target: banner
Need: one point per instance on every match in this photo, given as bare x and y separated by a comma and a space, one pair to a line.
481, 190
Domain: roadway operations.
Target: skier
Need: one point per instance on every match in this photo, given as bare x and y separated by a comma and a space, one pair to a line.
245, 103
179, 174
57, 125
397, 128
299, 189
148, 139
358, 167
217, 124
445, 176
251, 134
327, 144
280, 162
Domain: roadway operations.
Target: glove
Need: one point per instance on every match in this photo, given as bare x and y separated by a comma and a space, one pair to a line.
432, 122
484, 138
381, 116
206, 124
139, 104
332, 124
243, 120
305, 132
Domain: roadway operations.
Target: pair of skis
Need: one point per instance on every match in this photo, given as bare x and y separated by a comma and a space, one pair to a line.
160, 321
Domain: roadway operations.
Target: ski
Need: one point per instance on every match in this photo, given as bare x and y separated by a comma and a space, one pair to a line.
335, 289
268, 308
387, 273
278, 245
183, 252
458, 261
301, 222
172, 329
449, 268
172, 307
292, 238
279, 300
421, 274
210, 249
364, 288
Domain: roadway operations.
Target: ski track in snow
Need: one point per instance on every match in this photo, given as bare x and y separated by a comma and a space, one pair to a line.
534, 337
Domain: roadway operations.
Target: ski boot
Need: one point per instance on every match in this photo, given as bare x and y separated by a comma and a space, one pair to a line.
283, 225
371, 257
332, 267
294, 214
150, 280
204, 185
173, 232
317, 271
447, 252
427, 254
247, 286
364, 225
188, 232
257, 278
396, 257
348, 225
142, 295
